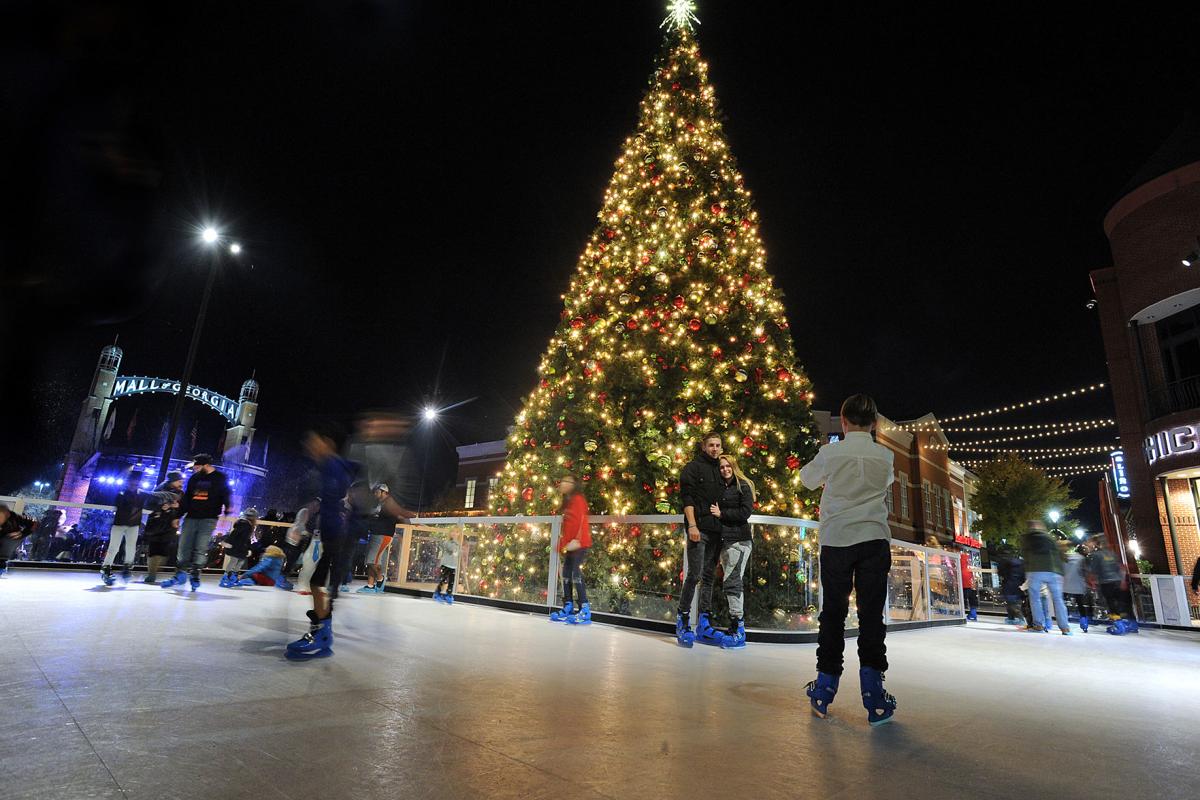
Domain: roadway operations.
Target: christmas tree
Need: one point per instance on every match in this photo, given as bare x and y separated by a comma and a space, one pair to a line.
671, 328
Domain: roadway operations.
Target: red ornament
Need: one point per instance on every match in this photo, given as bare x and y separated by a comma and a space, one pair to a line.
793, 462
678, 301
694, 418
577, 322
635, 530
602, 397
716, 208
691, 128
631, 324
748, 442
783, 374
746, 224
675, 86
610, 233
645, 259
527, 496
762, 339
717, 353
694, 324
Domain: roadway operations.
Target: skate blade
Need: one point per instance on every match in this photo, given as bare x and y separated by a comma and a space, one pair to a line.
817, 713
293, 655
879, 722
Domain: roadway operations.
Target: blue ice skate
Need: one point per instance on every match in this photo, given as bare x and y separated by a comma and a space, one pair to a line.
735, 639
973, 615
821, 692
879, 704
438, 597
226, 579
179, 580
683, 632
194, 579
706, 633
1084, 622
561, 616
284, 584
448, 599
368, 589
317, 643
581, 617
107, 576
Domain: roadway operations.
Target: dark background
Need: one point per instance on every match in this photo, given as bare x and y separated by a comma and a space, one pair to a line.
413, 183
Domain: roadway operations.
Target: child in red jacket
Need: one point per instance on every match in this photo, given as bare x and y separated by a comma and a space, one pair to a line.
574, 540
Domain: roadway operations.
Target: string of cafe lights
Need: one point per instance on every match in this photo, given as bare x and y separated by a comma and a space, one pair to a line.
1041, 452
1055, 469
1033, 426
1050, 398
1023, 437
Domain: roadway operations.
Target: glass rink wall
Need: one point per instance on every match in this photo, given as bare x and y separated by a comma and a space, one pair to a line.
635, 569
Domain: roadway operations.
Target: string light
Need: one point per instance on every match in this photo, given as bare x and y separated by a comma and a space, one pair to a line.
1033, 426
1052, 470
1006, 439
1050, 398
1040, 452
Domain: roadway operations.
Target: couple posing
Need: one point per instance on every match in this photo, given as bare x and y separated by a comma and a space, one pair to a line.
718, 500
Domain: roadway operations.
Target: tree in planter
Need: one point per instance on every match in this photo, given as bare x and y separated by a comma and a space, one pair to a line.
671, 327
1010, 492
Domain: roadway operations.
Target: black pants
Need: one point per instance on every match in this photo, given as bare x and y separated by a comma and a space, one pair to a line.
863, 568
447, 578
1084, 603
572, 575
1116, 598
702, 557
1014, 599
328, 572
972, 597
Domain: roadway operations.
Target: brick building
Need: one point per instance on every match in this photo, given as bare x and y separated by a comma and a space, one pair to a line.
479, 468
1149, 304
930, 501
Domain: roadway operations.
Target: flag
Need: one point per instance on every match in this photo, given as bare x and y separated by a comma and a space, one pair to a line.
132, 425
112, 422
195, 432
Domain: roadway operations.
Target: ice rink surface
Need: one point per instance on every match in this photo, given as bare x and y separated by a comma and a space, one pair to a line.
140, 692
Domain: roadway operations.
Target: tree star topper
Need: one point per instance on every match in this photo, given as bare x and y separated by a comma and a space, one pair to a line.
680, 14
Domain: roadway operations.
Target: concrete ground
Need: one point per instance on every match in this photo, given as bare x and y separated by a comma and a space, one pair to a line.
139, 692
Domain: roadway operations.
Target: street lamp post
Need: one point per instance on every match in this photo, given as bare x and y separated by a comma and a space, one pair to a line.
211, 237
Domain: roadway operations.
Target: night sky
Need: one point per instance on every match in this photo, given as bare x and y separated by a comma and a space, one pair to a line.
414, 181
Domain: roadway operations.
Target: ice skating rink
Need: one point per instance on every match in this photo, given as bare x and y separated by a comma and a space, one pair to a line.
141, 692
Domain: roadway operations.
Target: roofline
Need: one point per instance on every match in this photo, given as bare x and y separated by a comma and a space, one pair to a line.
1151, 190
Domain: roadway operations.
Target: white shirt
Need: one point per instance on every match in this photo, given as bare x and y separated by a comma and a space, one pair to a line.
856, 472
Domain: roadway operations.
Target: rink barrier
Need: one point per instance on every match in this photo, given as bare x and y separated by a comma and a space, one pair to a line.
925, 590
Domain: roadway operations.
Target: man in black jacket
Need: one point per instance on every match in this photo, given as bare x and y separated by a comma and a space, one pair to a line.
204, 500
13, 528
127, 523
700, 486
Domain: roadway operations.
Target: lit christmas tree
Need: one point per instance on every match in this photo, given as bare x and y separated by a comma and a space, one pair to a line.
671, 328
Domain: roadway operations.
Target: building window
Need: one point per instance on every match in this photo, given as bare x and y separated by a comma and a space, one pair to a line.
903, 496
890, 500
492, 483
927, 502
470, 501
949, 511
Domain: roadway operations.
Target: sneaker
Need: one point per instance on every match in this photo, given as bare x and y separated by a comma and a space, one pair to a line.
366, 590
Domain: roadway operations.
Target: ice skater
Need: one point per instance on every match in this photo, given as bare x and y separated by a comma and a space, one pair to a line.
335, 474
13, 528
970, 594
127, 524
204, 500
700, 486
1075, 584
267, 572
162, 526
1044, 568
382, 527
449, 552
734, 510
574, 540
236, 547
856, 555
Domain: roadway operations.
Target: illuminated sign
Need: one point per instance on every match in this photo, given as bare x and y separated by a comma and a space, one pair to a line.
1120, 477
970, 541
133, 385
1172, 442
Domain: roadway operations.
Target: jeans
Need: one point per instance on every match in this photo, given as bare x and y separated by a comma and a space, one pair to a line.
572, 574
195, 535
126, 534
1053, 582
864, 568
734, 557
701, 569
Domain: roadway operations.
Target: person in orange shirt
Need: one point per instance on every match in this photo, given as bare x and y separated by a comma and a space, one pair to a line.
968, 583
574, 540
